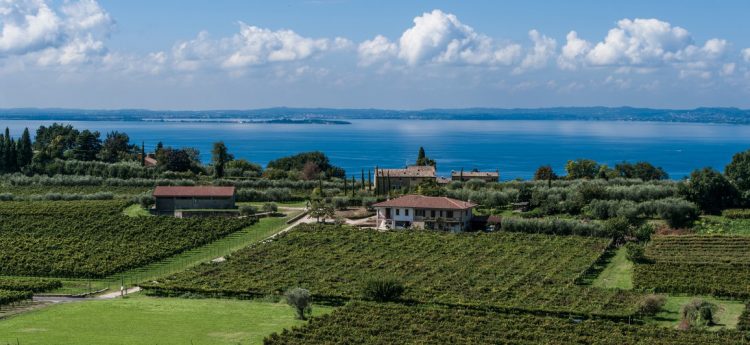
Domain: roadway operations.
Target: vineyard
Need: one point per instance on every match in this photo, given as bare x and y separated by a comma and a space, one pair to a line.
14, 290
92, 239
366, 323
718, 265
501, 270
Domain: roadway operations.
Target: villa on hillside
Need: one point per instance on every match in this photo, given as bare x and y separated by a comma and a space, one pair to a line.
424, 212
409, 177
487, 176
175, 200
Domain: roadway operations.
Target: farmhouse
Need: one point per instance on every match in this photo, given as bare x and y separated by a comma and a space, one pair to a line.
488, 176
175, 198
410, 177
425, 212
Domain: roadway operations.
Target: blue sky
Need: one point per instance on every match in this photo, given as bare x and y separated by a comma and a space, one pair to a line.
225, 54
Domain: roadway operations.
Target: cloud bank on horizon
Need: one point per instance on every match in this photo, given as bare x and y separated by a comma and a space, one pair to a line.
59, 56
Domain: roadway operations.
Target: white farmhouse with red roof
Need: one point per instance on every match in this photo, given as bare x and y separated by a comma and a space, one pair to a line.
424, 212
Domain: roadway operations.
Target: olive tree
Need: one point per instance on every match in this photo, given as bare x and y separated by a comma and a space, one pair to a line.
301, 300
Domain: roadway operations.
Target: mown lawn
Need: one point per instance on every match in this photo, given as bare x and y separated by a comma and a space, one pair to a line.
726, 318
148, 320
618, 274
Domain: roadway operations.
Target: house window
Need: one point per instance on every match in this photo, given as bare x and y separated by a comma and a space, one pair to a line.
397, 211
450, 214
432, 213
406, 212
419, 213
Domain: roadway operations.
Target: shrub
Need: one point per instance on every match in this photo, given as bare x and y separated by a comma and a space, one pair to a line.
340, 203
301, 300
698, 313
270, 207
383, 290
643, 233
651, 304
248, 210
678, 213
635, 253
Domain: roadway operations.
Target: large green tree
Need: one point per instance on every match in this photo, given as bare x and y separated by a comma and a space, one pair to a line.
87, 145
582, 168
710, 190
115, 146
738, 171
544, 173
642, 170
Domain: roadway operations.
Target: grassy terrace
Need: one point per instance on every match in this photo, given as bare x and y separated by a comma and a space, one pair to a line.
145, 320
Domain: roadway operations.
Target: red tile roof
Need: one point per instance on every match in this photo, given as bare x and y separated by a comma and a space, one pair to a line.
421, 201
193, 191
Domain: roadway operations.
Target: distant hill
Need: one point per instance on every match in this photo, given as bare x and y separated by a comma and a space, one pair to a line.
307, 115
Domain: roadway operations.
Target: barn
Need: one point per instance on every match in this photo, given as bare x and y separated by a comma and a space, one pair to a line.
169, 199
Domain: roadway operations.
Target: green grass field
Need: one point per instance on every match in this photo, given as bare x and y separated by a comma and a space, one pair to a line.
618, 274
727, 317
147, 320
135, 210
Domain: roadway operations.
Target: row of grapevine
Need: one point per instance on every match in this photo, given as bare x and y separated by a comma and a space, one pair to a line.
717, 265
368, 323
91, 239
502, 270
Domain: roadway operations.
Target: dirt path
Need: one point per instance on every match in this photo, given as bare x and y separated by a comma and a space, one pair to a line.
63, 299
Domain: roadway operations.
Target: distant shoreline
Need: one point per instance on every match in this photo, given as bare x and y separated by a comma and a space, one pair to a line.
341, 116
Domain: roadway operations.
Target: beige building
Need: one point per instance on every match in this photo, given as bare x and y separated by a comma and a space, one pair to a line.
489, 176
409, 177
424, 212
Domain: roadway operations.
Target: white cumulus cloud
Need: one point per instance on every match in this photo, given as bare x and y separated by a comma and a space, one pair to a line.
574, 50
251, 46
439, 38
376, 49
543, 50
746, 54
73, 34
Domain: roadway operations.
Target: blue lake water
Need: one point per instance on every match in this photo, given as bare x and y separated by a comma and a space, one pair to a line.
516, 148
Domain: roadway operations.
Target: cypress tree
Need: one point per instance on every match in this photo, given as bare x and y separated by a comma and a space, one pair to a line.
369, 180
2, 153
363, 179
25, 150
353, 181
8, 151
345, 183
143, 153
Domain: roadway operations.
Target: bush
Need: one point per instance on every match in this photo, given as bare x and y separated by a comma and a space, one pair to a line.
340, 203
383, 290
270, 207
678, 213
248, 210
697, 314
635, 253
301, 300
651, 304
